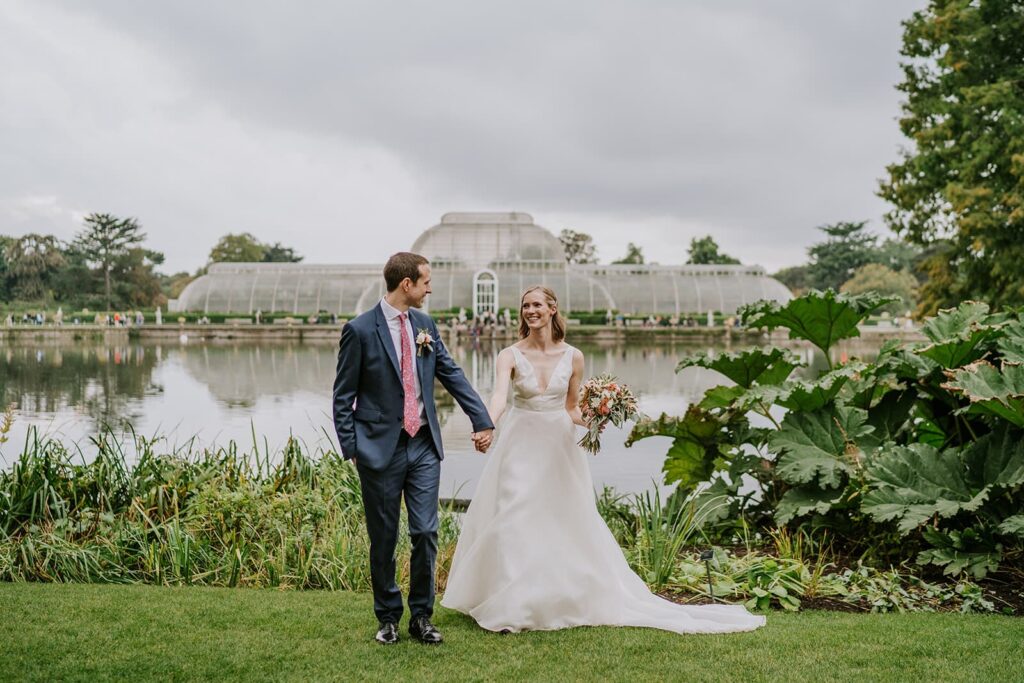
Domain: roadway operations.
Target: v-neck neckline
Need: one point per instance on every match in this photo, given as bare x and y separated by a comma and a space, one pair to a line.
536, 375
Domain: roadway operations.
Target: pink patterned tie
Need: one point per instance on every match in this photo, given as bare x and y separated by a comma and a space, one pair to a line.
411, 414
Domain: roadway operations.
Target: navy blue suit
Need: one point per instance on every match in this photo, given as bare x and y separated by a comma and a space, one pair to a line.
368, 411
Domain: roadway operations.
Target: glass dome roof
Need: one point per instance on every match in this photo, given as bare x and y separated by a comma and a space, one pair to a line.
486, 240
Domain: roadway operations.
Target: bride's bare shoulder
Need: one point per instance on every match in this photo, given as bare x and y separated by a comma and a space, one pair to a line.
577, 355
507, 355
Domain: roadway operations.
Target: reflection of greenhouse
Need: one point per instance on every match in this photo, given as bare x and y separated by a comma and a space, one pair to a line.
483, 262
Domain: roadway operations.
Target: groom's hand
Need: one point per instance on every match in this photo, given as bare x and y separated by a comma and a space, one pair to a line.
482, 440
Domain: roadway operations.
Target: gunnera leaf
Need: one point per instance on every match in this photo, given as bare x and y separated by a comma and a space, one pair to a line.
802, 500
991, 390
768, 365
822, 318
695, 440
1011, 343
820, 445
803, 395
996, 459
962, 551
911, 483
959, 335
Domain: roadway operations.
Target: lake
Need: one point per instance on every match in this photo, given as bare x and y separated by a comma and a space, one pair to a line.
217, 391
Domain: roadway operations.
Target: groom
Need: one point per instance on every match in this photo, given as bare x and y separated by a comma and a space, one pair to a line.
387, 425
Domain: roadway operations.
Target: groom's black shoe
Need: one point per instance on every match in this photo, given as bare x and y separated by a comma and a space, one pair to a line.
388, 633
422, 630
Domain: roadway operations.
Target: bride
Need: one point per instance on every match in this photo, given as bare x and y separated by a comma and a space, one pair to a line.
534, 553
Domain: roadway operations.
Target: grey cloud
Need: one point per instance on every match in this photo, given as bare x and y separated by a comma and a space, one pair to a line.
764, 119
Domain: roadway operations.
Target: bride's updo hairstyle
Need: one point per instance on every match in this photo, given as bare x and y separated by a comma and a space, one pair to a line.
557, 321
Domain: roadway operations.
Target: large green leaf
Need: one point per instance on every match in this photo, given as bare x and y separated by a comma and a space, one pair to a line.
822, 318
803, 395
950, 323
1011, 344
803, 500
903, 360
990, 390
962, 551
959, 335
1013, 526
890, 416
721, 397
767, 365
819, 445
911, 483
997, 459
695, 438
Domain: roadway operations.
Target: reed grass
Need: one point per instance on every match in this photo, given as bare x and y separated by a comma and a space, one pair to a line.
129, 509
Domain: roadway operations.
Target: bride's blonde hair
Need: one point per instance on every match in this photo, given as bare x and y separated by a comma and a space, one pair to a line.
557, 321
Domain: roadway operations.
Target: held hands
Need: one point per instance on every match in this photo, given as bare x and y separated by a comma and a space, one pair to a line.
482, 440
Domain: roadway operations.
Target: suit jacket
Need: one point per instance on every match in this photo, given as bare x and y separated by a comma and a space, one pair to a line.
368, 394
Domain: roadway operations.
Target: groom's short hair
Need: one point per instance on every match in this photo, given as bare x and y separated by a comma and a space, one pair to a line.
403, 265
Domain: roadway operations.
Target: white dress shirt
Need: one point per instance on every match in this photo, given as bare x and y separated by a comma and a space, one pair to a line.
394, 326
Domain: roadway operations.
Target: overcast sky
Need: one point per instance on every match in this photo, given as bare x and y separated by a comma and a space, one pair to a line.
344, 129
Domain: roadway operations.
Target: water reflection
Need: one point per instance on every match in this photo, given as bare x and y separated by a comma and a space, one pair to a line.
220, 391
98, 381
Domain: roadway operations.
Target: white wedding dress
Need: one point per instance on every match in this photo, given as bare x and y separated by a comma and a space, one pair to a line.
534, 553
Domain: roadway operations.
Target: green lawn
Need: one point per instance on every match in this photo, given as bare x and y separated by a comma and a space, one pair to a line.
99, 632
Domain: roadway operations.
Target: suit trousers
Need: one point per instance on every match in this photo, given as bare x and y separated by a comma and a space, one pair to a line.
415, 473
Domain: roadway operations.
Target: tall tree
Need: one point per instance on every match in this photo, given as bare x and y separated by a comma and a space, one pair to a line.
106, 239
962, 181
5, 269
139, 284
875, 277
794, 277
704, 250
633, 255
278, 253
240, 248
579, 246
33, 260
847, 248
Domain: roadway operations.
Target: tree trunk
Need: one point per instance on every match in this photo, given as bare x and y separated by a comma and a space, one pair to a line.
106, 283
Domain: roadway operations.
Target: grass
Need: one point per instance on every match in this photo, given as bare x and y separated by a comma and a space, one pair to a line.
105, 632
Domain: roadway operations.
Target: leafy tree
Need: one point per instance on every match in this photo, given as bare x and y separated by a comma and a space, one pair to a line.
172, 285
104, 241
33, 260
240, 248
705, 250
5, 274
278, 253
76, 283
633, 255
138, 283
962, 181
874, 277
898, 255
847, 248
579, 246
795, 277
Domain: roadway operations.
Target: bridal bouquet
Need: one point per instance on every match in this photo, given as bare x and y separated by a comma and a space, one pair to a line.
604, 399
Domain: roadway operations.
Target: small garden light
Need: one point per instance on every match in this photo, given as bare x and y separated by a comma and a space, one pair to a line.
707, 556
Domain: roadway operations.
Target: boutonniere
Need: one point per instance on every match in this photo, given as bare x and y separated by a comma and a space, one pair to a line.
423, 341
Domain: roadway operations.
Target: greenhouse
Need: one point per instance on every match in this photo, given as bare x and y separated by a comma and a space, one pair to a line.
483, 262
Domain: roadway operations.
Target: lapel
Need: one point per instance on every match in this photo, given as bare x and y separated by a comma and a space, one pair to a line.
384, 332
421, 360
